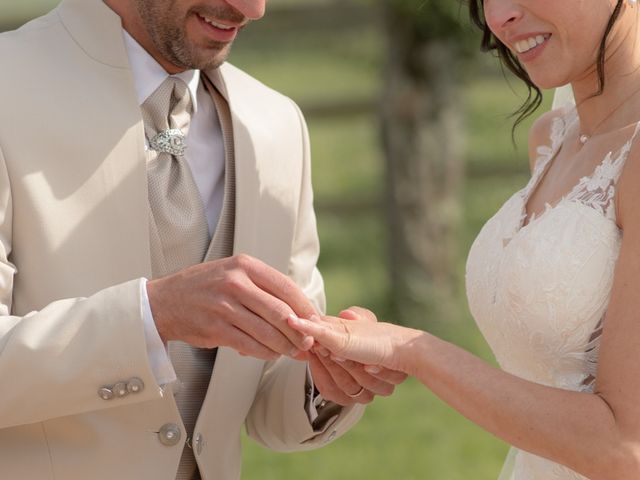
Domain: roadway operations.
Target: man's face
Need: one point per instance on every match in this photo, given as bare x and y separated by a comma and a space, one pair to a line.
196, 33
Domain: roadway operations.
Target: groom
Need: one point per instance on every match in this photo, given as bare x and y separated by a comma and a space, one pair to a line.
130, 151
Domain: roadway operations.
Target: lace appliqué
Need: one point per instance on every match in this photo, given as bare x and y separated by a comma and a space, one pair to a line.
598, 190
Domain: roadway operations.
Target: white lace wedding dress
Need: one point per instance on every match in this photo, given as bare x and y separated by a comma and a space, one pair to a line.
539, 291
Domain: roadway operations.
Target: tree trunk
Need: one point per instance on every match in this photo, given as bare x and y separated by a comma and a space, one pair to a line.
423, 142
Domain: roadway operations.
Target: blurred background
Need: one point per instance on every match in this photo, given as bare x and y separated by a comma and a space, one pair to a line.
411, 137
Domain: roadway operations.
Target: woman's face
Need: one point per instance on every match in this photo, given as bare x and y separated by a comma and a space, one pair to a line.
556, 41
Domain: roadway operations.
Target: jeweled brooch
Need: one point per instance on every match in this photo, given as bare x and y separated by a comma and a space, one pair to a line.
169, 141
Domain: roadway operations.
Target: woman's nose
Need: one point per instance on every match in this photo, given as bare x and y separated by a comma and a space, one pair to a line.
500, 14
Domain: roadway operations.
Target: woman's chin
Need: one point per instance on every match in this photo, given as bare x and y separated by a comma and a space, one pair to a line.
547, 80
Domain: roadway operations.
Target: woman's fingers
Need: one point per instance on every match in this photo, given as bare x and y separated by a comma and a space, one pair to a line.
390, 376
324, 333
372, 383
326, 385
358, 313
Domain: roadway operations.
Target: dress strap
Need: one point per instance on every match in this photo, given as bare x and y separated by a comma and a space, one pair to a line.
546, 153
635, 133
618, 163
598, 189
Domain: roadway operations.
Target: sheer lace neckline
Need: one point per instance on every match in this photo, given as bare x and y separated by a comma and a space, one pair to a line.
603, 178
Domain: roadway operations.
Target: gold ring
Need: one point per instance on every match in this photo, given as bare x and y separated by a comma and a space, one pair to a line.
357, 394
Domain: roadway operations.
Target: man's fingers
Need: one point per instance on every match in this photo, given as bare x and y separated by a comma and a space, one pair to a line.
320, 350
273, 311
277, 284
263, 332
244, 344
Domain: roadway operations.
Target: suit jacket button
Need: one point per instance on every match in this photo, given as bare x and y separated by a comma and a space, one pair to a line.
120, 389
105, 393
198, 444
169, 434
135, 385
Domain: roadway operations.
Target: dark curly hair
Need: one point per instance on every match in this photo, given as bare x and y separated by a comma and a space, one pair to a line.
534, 96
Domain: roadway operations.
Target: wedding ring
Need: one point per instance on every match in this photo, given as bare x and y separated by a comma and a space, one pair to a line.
357, 394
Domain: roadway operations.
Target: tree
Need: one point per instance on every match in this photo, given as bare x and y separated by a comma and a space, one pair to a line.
423, 134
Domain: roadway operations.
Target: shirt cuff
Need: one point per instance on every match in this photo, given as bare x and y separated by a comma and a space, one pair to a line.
311, 394
159, 361
321, 413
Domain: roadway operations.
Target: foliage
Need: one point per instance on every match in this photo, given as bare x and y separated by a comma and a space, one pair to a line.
435, 20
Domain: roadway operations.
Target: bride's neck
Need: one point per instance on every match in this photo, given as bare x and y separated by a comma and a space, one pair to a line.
620, 97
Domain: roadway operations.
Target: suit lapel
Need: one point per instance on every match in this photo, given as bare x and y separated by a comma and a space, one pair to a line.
263, 216
222, 242
247, 164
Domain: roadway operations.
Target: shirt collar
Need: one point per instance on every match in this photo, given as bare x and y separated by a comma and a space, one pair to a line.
148, 74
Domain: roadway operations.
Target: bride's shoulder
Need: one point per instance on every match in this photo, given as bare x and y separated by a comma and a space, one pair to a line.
627, 198
541, 131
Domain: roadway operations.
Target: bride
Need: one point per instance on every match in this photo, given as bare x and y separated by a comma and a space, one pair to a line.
553, 279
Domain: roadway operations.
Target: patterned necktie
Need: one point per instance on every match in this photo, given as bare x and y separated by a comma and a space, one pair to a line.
179, 224
179, 237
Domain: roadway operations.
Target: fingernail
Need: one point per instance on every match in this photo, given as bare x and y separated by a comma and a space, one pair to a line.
315, 318
294, 353
323, 351
372, 369
337, 359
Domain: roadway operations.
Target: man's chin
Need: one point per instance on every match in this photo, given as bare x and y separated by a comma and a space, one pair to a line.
211, 58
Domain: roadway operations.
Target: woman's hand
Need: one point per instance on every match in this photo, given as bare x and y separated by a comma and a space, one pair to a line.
361, 339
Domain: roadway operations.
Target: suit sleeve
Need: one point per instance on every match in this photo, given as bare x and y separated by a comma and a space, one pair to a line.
55, 361
278, 419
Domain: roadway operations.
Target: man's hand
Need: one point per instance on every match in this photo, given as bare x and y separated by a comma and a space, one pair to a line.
339, 380
238, 302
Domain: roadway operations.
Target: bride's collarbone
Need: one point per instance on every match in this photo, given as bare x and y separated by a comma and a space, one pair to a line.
562, 175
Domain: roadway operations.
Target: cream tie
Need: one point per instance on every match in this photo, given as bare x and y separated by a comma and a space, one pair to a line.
179, 236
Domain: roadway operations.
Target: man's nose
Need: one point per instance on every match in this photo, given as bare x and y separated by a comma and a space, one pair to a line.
500, 14
251, 9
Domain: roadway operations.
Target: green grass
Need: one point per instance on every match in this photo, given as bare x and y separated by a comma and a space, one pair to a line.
410, 436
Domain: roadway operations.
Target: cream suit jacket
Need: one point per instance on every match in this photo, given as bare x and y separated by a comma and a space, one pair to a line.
74, 239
